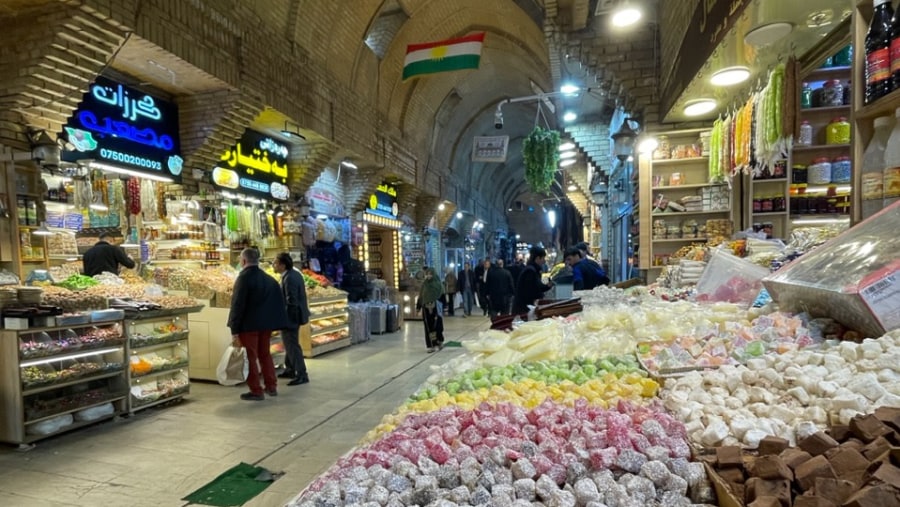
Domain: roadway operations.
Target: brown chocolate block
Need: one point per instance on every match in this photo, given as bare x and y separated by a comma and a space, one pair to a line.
845, 460
729, 456
765, 501
794, 457
858, 478
835, 490
732, 475
812, 501
868, 427
882, 495
875, 448
758, 488
889, 474
839, 432
817, 443
807, 473
772, 445
853, 443
889, 416
771, 467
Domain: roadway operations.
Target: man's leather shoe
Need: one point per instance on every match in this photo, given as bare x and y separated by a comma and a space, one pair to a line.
286, 374
272, 392
252, 397
299, 380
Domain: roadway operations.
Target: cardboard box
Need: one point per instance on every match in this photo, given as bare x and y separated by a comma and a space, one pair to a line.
15, 323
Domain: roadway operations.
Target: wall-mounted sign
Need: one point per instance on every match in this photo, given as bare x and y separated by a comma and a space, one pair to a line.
256, 165
384, 202
122, 126
490, 149
326, 202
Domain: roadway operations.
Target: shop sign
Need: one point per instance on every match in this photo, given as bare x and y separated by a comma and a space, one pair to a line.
384, 202
325, 202
256, 165
711, 21
490, 149
119, 125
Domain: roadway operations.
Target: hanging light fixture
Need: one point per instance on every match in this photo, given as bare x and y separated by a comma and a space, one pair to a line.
43, 230
626, 15
566, 146
567, 162
568, 154
623, 140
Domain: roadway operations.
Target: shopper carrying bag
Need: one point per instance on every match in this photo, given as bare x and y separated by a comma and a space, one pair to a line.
233, 367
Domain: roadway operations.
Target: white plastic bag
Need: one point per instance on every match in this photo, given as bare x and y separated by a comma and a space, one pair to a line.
233, 367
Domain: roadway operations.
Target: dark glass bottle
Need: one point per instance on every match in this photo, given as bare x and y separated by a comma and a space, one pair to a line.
895, 50
878, 52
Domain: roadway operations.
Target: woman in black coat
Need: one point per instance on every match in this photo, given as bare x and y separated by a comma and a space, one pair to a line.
530, 288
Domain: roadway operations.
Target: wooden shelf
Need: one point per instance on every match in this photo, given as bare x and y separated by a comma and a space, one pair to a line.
769, 213
769, 180
885, 106
680, 240
683, 213
820, 147
73, 410
825, 73
689, 185
828, 109
679, 161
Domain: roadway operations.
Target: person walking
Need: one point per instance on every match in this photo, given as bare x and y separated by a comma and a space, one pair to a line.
465, 284
450, 290
481, 285
515, 269
257, 309
428, 302
293, 288
499, 289
104, 256
530, 287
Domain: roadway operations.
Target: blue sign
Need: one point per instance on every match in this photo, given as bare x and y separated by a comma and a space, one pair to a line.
256, 165
121, 126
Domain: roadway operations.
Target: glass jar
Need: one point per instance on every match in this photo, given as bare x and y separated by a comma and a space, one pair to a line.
799, 174
779, 203
819, 173
664, 150
779, 169
841, 170
766, 205
757, 204
806, 134
806, 94
832, 93
838, 131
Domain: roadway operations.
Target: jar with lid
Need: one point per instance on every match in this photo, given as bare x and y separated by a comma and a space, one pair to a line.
664, 150
779, 203
833, 93
799, 174
779, 169
841, 169
806, 94
838, 131
766, 204
757, 204
806, 134
819, 173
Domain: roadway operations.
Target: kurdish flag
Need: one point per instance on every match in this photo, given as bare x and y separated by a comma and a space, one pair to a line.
443, 56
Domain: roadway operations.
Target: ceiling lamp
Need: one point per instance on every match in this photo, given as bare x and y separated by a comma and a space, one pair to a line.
567, 162
42, 230
567, 146
348, 163
730, 76
568, 154
441, 207
569, 89
572, 187
569, 116
626, 15
648, 145
767, 34
459, 215
699, 107
623, 140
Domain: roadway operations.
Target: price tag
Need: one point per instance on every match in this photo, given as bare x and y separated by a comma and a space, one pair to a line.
55, 219
74, 221
883, 299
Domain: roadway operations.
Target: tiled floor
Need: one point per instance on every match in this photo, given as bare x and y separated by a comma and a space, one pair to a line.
158, 456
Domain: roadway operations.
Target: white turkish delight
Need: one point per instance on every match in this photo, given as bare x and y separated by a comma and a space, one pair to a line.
586, 491
561, 498
805, 429
782, 413
828, 388
525, 489
714, 433
631, 460
545, 487
848, 350
756, 364
459, 494
867, 385
379, 494
753, 436
740, 425
850, 401
800, 394
846, 414
870, 348
656, 471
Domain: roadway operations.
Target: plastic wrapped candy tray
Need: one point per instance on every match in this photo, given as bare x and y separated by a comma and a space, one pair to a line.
853, 278
107, 315
730, 279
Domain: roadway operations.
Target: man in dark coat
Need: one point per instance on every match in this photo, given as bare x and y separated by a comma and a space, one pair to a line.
530, 287
257, 309
515, 269
499, 289
293, 288
104, 256
465, 285
481, 284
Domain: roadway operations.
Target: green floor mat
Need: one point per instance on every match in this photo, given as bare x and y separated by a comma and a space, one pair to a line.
453, 344
233, 488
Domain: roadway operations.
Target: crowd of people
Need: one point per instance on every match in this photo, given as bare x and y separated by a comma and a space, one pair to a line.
497, 289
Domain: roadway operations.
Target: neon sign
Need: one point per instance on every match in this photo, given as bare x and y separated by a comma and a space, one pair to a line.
123, 126
256, 165
384, 201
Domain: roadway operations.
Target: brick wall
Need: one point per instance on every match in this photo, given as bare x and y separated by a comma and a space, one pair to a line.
675, 17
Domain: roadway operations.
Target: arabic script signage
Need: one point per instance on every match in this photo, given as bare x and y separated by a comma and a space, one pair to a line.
256, 165
384, 202
490, 149
325, 201
711, 21
119, 125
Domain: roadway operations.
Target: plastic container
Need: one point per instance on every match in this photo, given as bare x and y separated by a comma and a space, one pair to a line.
107, 315
873, 167
806, 134
806, 94
799, 174
892, 166
832, 93
841, 170
730, 279
819, 173
838, 131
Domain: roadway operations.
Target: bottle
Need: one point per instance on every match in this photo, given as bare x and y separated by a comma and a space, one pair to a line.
895, 51
878, 52
891, 179
62, 194
806, 96
873, 167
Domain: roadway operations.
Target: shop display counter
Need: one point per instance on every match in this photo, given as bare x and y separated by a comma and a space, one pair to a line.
210, 336
158, 351
56, 379
328, 328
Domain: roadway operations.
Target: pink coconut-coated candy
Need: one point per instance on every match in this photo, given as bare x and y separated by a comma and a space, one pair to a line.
470, 436
603, 458
541, 464
557, 472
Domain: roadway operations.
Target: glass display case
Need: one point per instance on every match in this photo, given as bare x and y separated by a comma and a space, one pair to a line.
328, 328
158, 360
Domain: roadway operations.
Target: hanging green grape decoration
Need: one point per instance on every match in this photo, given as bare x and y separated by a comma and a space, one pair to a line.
540, 152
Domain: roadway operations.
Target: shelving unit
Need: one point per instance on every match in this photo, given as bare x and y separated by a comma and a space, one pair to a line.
656, 177
33, 392
322, 309
159, 356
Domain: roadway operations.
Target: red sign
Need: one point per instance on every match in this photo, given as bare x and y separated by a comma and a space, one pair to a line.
325, 202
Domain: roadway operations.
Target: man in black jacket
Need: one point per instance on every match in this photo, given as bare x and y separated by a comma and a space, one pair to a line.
104, 256
481, 272
530, 287
257, 309
293, 287
499, 289
465, 285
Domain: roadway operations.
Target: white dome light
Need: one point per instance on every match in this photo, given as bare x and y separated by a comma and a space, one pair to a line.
626, 17
699, 107
648, 145
567, 162
570, 116
568, 154
459, 214
567, 146
569, 89
730, 76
